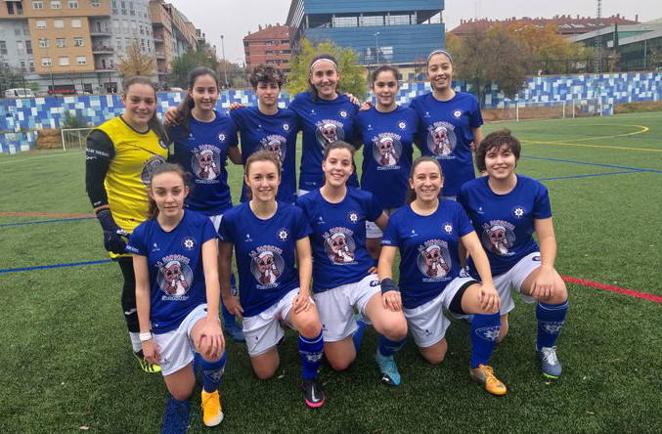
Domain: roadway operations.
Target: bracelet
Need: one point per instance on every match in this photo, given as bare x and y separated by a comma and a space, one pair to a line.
144, 337
388, 284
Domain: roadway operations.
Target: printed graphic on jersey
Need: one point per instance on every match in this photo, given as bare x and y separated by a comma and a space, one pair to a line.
433, 260
206, 162
275, 144
175, 276
329, 131
441, 139
149, 167
339, 245
498, 237
267, 265
387, 150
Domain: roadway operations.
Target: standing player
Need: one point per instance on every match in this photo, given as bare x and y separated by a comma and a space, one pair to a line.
448, 124
177, 293
268, 237
203, 140
342, 276
269, 127
387, 131
120, 156
506, 209
428, 234
325, 116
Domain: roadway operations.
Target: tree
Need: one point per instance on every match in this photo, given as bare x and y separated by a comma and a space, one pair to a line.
236, 74
136, 62
352, 74
182, 65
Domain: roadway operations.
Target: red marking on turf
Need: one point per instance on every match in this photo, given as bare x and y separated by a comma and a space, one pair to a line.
45, 214
612, 288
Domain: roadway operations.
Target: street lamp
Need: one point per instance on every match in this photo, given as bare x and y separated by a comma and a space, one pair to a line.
377, 48
225, 63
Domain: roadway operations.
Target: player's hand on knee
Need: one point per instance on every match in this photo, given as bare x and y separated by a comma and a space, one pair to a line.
113, 236
392, 301
489, 298
301, 303
543, 285
151, 352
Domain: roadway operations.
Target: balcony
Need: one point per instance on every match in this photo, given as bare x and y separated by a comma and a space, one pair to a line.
160, 54
100, 32
102, 49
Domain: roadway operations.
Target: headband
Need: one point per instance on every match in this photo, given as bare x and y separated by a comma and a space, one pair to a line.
323, 59
444, 52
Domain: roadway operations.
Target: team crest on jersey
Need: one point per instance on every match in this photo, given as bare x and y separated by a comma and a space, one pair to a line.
457, 114
267, 265
433, 260
519, 212
441, 139
221, 137
151, 164
448, 228
489, 333
498, 237
188, 243
286, 127
353, 216
387, 150
339, 245
402, 125
329, 131
343, 113
206, 162
175, 276
275, 144
283, 234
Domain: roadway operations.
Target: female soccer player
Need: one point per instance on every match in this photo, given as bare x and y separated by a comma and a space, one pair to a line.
325, 116
268, 236
429, 233
203, 140
269, 127
342, 277
387, 131
177, 293
120, 156
506, 209
448, 124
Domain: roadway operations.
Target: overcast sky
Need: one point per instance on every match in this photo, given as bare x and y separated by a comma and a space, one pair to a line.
234, 18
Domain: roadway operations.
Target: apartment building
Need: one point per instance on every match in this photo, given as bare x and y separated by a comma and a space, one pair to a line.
272, 45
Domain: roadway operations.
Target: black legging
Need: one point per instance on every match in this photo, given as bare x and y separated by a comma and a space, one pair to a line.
129, 294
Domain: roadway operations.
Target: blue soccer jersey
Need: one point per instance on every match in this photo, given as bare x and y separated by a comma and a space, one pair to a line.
276, 133
428, 249
338, 237
174, 259
203, 153
445, 131
265, 251
387, 153
322, 122
505, 222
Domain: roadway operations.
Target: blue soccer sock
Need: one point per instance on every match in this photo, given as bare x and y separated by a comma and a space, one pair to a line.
388, 347
310, 352
211, 372
551, 318
357, 338
175, 416
484, 332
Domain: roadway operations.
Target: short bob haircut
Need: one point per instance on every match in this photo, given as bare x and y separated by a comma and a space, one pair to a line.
496, 140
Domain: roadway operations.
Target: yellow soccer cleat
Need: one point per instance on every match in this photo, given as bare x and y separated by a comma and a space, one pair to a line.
484, 375
212, 411
150, 368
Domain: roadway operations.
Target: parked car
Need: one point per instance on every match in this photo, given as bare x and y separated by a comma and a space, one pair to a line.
19, 92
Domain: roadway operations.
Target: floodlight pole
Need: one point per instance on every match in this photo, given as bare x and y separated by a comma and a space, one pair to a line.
225, 63
376, 48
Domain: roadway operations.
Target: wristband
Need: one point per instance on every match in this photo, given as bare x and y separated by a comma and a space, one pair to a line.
144, 337
388, 284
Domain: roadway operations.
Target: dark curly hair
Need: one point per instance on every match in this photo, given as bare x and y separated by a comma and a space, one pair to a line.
264, 73
496, 140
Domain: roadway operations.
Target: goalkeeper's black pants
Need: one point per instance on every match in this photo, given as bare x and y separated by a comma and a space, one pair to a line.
129, 294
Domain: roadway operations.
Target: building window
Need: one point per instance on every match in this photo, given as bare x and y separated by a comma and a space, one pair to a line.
78, 41
64, 61
3, 47
398, 20
95, 3
56, 4
73, 4
41, 24
60, 42
81, 60
20, 47
44, 43
46, 61
368, 21
76, 23
31, 65
58, 24
28, 47
37, 5
344, 22
17, 31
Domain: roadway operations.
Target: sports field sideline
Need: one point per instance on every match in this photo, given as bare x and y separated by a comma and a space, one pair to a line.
66, 364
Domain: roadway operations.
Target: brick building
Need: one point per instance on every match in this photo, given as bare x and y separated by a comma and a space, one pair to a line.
272, 45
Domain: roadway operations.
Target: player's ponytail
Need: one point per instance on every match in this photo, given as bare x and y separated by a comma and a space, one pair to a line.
411, 193
187, 104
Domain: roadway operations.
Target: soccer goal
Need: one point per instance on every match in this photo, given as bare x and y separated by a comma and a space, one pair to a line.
74, 138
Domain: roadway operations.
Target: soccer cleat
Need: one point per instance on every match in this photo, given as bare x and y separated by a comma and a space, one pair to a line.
551, 367
313, 394
388, 368
150, 368
212, 411
484, 375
